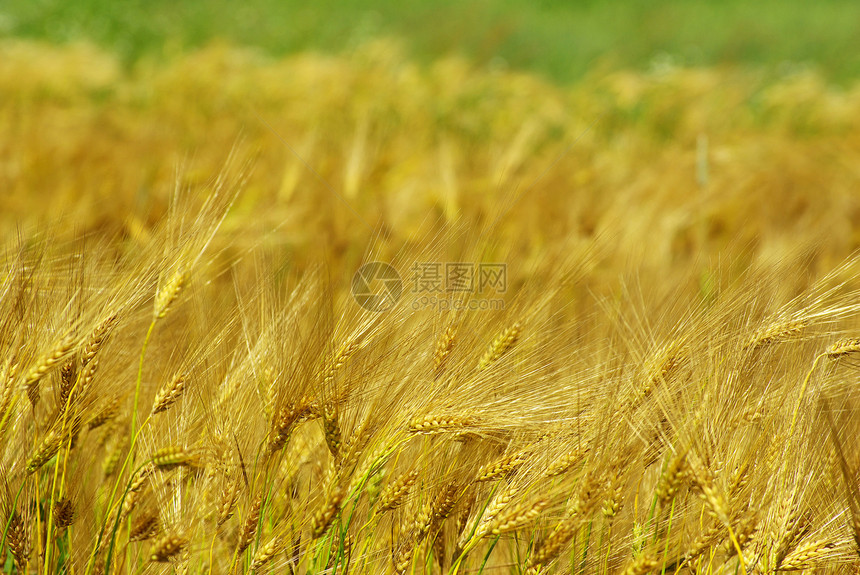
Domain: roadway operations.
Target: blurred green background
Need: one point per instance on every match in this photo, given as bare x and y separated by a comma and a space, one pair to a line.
560, 40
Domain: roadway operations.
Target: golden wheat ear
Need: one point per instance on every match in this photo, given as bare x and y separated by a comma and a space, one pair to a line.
168, 547
501, 345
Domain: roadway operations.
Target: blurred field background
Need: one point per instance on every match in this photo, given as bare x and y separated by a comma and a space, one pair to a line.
679, 129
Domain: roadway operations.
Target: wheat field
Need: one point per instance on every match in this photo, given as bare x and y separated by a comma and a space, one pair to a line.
665, 382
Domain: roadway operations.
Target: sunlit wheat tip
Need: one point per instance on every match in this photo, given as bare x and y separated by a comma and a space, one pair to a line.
706, 539
660, 366
34, 377
554, 543
7, 387
503, 466
641, 566
172, 456
97, 339
402, 558
169, 394
339, 359
167, 293
808, 556
612, 504
744, 532
503, 342
249, 527
287, 417
775, 332
711, 495
323, 517
517, 516
843, 348
80, 387
135, 487
266, 552
229, 497
502, 500
395, 492
331, 430
566, 461
440, 424
671, 480
48, 447
792, 526
444, 345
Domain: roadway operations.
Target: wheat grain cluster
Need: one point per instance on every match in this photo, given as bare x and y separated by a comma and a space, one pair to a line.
189, 385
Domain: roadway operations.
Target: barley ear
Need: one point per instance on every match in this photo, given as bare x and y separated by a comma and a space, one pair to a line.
167, 293
19, 542
97, 339
331, 430
503, 342
167, 547
266, 552
172, 456
326, 514
34, 377
169, 394
64, 512
443, 349
249, 528
843, 348
395, 492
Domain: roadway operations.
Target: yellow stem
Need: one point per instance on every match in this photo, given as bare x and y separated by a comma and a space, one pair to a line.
738, 549
140, 375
